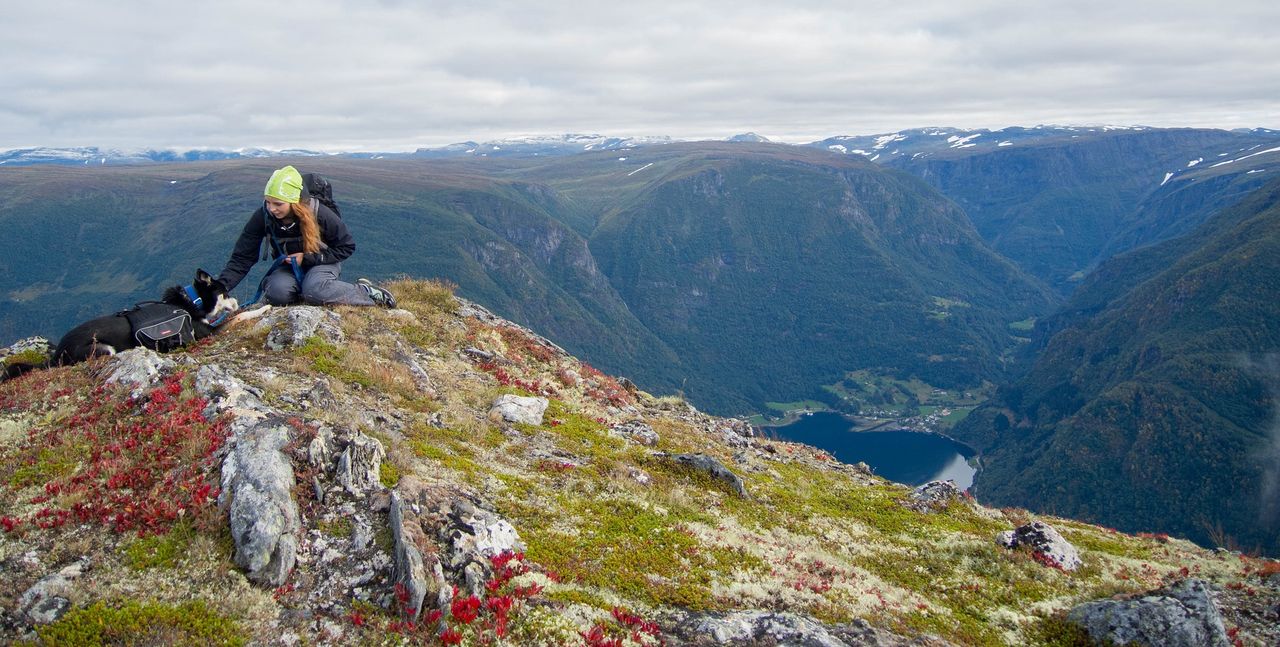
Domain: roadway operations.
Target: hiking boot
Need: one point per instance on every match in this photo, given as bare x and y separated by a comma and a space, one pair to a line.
379, 295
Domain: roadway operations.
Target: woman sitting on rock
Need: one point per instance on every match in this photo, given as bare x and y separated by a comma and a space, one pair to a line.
314, 241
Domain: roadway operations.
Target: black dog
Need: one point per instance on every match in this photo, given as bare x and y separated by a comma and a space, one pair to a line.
205, 302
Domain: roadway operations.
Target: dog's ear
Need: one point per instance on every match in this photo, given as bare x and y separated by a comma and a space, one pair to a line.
203, 277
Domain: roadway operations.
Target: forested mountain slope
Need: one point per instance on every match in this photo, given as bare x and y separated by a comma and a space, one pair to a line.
1153, 405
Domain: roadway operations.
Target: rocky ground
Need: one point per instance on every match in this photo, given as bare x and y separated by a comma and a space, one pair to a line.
437, 475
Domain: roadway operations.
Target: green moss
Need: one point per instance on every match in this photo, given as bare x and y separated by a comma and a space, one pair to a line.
580, 436
419, 335
1057, 631
331, 360
449, 447
142, 623
160, 551
959, 517
578, 596
384, 538
337, 527
1117, 545
30, 356
802, 492
388, 474
51, 463
424, 449
964, 628
638, 552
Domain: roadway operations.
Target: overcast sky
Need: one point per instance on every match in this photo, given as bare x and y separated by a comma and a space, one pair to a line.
363, 75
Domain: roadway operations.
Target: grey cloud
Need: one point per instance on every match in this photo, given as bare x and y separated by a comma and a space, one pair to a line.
397, 75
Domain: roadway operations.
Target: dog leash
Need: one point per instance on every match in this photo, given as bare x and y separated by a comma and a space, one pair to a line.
262, 285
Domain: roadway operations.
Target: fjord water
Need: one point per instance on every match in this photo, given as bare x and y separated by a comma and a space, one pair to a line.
909, 457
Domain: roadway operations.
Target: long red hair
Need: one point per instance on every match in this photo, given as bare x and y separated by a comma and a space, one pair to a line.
310, 228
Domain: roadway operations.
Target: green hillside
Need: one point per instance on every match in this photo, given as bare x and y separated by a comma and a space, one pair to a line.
102, 239
1154, 407
752, 261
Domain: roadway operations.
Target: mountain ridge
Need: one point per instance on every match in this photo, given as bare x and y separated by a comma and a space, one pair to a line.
870, 146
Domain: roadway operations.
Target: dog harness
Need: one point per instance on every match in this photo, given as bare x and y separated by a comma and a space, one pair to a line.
160, 326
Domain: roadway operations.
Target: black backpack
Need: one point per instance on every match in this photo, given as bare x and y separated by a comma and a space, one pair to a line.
160, 326
320, 189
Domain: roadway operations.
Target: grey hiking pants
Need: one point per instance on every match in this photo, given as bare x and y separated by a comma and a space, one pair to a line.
320, 287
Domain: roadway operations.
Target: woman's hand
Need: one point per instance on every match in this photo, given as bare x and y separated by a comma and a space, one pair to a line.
294, 259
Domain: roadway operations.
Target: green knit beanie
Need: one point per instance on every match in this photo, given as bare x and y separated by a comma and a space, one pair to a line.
286, 185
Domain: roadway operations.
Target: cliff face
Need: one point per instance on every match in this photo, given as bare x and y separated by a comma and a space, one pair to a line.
437, 474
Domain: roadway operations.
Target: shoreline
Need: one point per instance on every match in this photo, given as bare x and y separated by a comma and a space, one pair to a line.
793, 417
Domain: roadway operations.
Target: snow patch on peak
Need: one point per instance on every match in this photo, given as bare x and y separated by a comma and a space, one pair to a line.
885, 140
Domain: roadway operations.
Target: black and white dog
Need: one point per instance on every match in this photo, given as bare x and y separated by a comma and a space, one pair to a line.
206, 301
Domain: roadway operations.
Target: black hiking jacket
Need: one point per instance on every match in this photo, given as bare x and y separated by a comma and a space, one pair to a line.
336, 243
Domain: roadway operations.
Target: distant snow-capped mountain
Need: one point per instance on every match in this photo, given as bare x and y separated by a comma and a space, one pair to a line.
919, 142
905, 144
923, 142
540, 146
91, 155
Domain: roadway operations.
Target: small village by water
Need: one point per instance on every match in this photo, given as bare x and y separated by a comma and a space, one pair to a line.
896, 426
900, 455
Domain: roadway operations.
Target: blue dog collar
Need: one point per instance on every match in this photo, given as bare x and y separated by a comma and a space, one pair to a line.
193, 296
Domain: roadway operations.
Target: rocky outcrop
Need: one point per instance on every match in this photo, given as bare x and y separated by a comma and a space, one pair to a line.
34, 345
292, 327
934, 496
47, 600
358, 465
770, 628
443, 538
1045, 543
637, 431
257, 478
712, 467
226, 393
138, 368
1182, 615
518, 409
421, 379
735, 432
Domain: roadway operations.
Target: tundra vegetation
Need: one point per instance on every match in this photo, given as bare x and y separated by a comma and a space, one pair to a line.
621, 542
